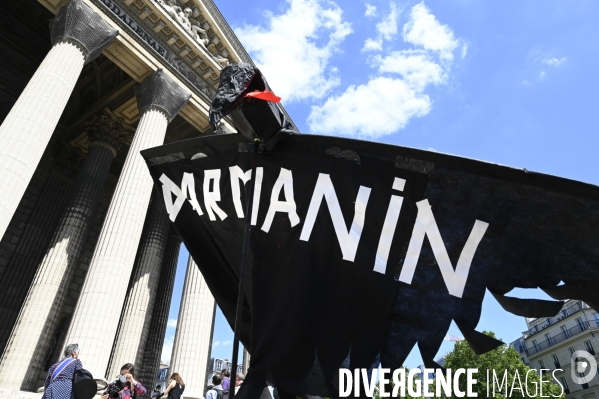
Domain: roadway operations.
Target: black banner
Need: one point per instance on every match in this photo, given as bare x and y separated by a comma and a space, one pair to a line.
360, 250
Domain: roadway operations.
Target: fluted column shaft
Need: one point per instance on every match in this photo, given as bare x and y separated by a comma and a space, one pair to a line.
151, 356
27, 129
25, 132
22, 359
96, 316
191, 349
137, 311
30, 249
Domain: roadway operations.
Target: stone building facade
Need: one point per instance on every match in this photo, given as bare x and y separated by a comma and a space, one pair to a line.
549, 343
87, 254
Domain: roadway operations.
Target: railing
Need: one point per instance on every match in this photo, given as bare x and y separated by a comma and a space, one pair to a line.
561, 337
566, 312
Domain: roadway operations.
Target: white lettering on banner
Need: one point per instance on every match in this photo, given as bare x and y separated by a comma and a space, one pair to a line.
169, 188
212, 197
257, 192
285, 182
382, 252
236, 175
426, 225
348, 240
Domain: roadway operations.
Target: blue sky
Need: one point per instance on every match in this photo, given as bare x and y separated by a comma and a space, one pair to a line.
507, 82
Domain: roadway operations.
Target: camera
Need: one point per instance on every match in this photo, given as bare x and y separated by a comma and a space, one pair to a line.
113, 389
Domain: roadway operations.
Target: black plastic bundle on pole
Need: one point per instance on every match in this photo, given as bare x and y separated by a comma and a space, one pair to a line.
242, 274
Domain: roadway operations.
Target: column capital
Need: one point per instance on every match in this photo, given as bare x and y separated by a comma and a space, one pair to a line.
78, 24
161, 92
109, 130
66, 159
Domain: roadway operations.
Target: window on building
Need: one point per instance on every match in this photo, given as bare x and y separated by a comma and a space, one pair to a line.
571, 350
565, 385
556, 361
580, 323
541, 367
596, 318
548, 338
565, 312
589, 347
565, 331
534, 343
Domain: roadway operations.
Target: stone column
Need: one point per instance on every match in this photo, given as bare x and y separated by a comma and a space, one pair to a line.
78, 35
97, 314
23, 357
136, 316
191, 349
151, 356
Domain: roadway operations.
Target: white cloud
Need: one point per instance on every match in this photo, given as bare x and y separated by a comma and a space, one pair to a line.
288, 54
424, 30
415, 66
542, 75
172, 323
373, 44
386, 29
387, 102
380, 107
215, 343
167, 349
370, 11
553, 61
226, 343
464, 50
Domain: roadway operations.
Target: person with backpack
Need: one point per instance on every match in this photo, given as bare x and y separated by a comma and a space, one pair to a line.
59, 381
217, 391
175, 387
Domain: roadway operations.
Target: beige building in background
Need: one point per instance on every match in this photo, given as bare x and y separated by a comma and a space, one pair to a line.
87, 254
550, 342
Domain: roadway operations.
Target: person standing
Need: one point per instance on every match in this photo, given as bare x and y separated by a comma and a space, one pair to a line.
59, 381
175, 387
225, 376
156, 394
217, 391
128, 388
239, 377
